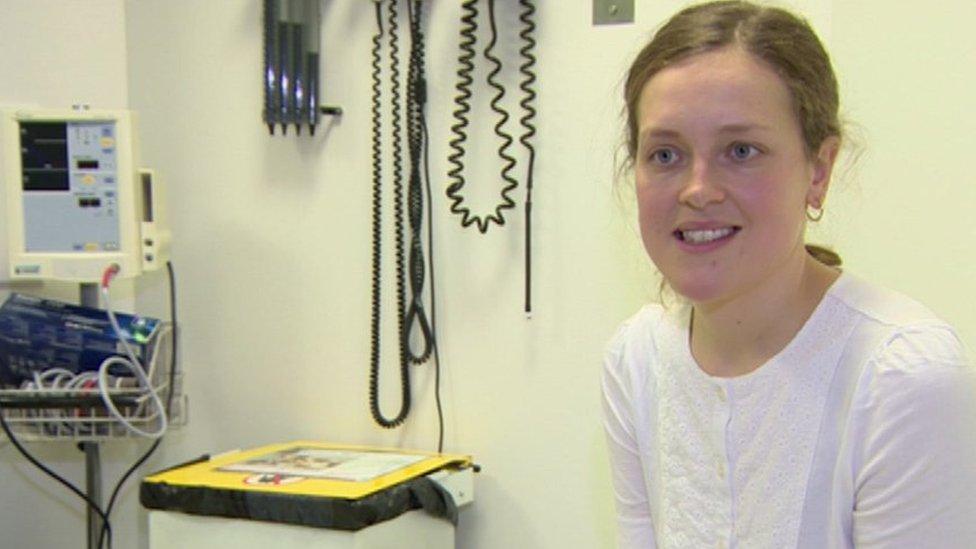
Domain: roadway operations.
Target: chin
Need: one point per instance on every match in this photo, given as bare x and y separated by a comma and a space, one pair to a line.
698, 290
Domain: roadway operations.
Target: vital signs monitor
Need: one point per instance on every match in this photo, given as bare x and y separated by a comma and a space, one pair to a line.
74, 198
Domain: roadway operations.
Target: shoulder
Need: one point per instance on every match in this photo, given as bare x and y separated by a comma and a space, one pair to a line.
881, 306
639, 341
909, 355
917, 367
890, 330
648, 330
636, 328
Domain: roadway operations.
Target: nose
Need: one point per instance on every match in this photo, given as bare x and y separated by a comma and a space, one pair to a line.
701, 186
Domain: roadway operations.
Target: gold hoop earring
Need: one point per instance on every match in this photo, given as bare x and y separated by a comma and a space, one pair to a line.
818, 212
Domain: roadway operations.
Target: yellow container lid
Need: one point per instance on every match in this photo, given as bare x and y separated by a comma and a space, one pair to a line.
305, 482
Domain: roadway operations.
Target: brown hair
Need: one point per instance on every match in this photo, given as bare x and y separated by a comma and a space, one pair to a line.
784, 41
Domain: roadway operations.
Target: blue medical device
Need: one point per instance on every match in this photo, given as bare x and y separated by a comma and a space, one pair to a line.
39, 334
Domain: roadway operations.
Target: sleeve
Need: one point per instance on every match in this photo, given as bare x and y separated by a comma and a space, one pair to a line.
634, 527
915, 479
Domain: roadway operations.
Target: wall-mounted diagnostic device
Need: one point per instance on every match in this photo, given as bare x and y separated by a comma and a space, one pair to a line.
74, 198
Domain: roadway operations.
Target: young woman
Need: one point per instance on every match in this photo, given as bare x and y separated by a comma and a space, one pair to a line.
785, 403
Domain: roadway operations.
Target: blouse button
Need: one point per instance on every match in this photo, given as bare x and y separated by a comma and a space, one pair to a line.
720, 391
721, 544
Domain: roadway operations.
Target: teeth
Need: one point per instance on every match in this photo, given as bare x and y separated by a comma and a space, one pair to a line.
708, 235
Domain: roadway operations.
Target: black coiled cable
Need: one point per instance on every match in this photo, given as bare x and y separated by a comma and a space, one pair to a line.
459, 130
463, 108
507, 140
396, 97
527, 70
416, 316
462, 104
420, 89
377, 245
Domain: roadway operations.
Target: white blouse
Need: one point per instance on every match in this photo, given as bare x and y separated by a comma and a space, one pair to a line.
861, 432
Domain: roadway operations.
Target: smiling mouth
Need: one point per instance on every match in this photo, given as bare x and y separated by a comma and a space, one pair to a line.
704, 236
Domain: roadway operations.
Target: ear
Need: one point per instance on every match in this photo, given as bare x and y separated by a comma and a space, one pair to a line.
823, 167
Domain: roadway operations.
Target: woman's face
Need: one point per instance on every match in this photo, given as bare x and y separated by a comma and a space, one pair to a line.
723, 177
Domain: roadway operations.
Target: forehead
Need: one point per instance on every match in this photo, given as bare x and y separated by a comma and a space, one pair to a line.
722, 87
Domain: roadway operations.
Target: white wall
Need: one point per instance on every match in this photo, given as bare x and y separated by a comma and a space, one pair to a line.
57, 53
272, 243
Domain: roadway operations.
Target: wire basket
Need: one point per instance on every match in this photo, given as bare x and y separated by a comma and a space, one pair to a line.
80, 414
37, 415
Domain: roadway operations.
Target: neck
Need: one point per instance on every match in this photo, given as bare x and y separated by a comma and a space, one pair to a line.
736, 336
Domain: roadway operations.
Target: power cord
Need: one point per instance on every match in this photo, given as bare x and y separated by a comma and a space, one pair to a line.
67, 484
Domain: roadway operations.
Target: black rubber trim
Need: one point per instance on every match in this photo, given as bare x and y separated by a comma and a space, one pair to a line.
303, 510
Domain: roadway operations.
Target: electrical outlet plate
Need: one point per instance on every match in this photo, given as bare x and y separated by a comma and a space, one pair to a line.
613, 12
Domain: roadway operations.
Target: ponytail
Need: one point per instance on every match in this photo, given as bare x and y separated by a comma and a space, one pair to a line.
824, 255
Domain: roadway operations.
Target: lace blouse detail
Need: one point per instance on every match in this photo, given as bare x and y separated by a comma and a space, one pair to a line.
736, 452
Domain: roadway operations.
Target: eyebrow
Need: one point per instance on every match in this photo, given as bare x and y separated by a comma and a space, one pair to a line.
658, 132
742, 128
728, 128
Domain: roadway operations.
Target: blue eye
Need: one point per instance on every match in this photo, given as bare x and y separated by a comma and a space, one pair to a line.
664, 156
742, 151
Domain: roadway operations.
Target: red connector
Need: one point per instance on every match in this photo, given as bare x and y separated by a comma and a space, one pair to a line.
109, 274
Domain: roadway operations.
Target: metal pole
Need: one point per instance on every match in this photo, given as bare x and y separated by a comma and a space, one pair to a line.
93, 488
93, 465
